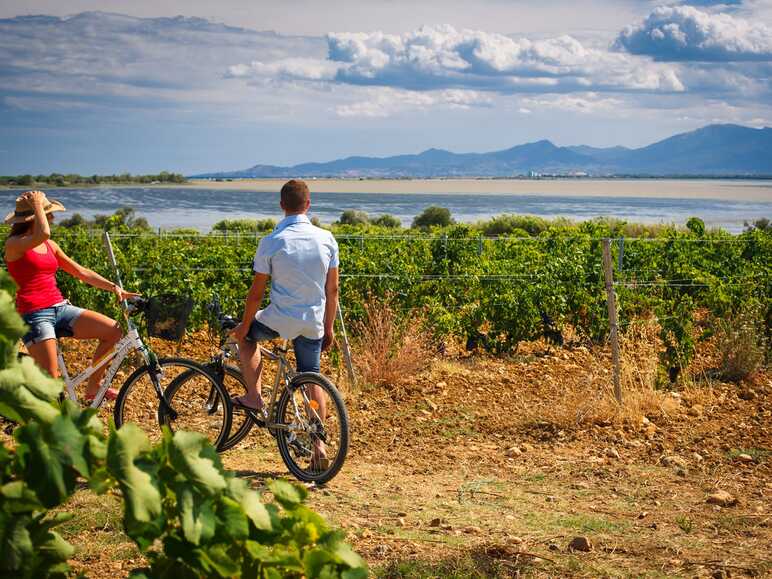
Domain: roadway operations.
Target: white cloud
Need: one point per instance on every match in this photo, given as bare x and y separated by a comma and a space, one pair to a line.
288, 69
441, 57
587, 103
381, 102
684, 33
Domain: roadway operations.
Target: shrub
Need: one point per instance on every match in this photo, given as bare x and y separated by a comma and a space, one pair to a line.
353, 217
696, 226
433, 216
243, 225
762, 224
77, 220
511, 224
387, 220
124, 217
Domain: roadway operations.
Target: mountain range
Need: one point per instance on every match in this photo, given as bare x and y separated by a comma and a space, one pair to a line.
714, 150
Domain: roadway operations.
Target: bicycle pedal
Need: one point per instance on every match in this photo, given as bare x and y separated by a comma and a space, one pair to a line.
299, 448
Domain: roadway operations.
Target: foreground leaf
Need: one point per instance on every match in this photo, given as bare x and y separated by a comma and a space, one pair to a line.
137, 478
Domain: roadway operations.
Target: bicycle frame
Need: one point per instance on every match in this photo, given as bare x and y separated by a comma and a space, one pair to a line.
129, 343
284, 372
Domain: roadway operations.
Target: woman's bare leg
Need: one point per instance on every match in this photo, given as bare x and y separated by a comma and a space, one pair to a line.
44, 354
95, 326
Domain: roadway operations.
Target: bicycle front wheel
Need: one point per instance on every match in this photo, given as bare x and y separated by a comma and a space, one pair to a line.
197, 400
312, 428
241, 424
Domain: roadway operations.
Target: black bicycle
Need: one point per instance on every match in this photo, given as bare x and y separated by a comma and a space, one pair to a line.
304, 411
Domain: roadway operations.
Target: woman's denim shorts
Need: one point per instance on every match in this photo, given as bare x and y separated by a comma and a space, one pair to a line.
51, 323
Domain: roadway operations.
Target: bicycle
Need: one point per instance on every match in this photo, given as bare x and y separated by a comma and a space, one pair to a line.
202, 406
304, 413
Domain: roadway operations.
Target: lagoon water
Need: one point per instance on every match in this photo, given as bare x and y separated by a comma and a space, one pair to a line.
200, 207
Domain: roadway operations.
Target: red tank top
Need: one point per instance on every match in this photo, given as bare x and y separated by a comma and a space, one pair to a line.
35, 274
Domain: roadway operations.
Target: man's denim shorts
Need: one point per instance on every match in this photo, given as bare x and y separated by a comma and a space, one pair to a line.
51, 323
307, 351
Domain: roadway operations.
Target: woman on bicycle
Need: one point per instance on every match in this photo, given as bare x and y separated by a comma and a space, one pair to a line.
33, 260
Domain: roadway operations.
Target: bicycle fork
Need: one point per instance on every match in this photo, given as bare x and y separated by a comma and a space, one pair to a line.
156, 373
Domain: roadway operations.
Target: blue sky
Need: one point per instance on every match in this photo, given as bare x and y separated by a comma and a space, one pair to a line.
194, 86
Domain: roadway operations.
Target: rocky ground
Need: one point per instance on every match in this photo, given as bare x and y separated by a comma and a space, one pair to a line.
524, 466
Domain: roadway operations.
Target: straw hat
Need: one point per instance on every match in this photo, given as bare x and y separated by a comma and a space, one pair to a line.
25, 212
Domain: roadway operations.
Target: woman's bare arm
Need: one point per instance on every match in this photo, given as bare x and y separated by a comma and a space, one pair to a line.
16, 246
86, 275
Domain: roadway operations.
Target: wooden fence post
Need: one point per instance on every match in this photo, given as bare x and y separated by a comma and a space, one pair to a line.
611, 300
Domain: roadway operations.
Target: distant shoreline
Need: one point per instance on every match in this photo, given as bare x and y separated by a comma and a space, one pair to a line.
726, 189
753, 190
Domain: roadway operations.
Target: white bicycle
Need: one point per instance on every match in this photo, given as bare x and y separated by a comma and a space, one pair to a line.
175, 392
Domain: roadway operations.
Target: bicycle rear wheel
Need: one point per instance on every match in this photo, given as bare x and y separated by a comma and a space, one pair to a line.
233, 383
198, 399
314, 442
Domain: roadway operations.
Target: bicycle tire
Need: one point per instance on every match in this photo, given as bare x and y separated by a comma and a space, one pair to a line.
138, 402
289, 447
240, 421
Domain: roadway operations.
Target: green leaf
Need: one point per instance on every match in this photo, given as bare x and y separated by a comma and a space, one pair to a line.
45, 470
38, 382
309, 516
257, 551
233, 519
46, 522
251, 503
54, 547
19, 498
287, 494
100, 480
218, 559
343, 553
356, 573
196, 515
194, 458
69, 444
143, 516
314, 560
12, 327
18, 403
17, 545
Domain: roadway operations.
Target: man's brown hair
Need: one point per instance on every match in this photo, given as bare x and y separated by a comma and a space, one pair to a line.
294, 195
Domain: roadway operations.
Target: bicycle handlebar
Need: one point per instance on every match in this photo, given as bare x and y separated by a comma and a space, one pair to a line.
136, 304
224, 321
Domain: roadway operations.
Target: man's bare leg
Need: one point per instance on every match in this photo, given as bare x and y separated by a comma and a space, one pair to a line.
252, 368
316, 394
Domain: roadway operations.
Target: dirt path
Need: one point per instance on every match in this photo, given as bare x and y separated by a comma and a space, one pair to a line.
491, 467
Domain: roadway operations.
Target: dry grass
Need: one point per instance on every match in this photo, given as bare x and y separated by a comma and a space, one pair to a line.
389, 350
741, 345
593, 402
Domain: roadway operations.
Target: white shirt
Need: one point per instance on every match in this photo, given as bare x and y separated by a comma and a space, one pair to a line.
297, 255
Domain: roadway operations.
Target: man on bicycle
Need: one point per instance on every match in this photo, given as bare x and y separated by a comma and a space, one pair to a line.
302, 262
